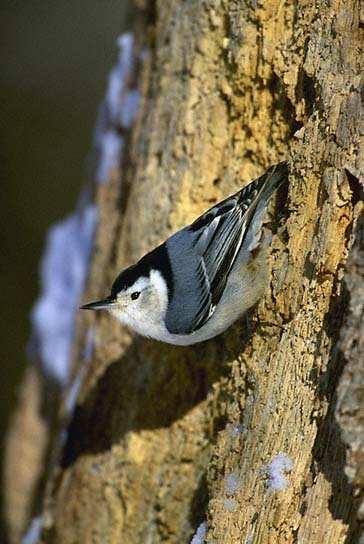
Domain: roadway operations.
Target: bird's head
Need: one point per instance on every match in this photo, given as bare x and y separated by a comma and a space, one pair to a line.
135, 300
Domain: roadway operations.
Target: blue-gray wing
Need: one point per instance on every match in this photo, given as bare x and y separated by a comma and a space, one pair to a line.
203, 254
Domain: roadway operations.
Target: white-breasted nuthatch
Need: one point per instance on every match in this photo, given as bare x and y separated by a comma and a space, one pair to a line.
205, 276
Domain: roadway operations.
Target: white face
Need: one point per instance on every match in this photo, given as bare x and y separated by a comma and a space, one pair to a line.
143, 305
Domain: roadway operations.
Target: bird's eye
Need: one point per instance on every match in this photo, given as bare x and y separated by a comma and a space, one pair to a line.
135, 295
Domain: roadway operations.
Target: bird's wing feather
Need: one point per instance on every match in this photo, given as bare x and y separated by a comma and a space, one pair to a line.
217, 237
223, 229
217, 246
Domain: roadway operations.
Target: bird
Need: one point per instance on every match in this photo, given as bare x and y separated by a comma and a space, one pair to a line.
204, 277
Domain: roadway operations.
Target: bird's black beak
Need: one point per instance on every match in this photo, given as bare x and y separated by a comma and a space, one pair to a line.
99, 304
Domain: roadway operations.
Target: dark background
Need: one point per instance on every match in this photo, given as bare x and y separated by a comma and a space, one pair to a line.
55, 60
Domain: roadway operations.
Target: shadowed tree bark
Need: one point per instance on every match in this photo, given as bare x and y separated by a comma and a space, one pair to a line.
239, 431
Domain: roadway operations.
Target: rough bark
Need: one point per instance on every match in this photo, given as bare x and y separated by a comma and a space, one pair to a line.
350, 404
164, 437
24, 456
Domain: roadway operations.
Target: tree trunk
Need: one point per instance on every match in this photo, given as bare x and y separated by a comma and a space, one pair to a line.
238, 432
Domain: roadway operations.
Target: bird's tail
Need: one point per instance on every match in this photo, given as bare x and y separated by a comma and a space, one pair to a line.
263, 187
272, 179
